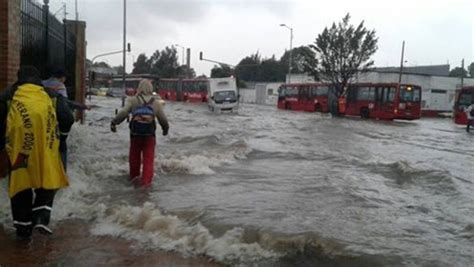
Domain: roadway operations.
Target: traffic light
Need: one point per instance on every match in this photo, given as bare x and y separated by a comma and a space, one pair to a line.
129, 47
200, 55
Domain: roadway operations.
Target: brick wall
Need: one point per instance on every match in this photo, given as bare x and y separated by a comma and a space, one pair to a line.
10, 41
79, 28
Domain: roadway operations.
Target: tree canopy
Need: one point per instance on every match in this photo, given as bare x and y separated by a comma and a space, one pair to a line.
220, 71
458, 72
471, 70
163, 63
342, 51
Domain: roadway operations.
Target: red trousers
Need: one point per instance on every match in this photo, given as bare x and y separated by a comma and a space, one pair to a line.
142, 149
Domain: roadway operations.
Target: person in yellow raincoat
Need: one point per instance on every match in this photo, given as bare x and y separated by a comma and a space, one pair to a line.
31, 141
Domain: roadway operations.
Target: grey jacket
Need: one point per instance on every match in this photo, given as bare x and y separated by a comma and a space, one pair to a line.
134, 102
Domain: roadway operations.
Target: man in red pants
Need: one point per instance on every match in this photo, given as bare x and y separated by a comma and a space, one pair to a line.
144, 108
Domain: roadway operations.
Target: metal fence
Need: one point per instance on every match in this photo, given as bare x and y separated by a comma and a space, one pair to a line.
46, 43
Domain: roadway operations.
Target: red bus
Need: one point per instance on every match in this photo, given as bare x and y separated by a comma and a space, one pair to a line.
386, 101
131, 84
304, 96
465, 98
189, 90
168, 88
195, 90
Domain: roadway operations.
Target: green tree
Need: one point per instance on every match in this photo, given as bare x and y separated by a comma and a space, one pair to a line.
165, 63
341, 52
302, 60
471, 70
247, 69
142, 65
184, 71
101, 64
221, 71
270, 70
458, 72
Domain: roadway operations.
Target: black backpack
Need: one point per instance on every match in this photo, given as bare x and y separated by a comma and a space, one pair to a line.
143, 119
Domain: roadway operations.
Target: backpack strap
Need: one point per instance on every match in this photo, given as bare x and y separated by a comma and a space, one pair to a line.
152, 99
140, 96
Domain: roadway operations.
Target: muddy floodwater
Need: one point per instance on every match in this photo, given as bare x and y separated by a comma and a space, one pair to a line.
265, 187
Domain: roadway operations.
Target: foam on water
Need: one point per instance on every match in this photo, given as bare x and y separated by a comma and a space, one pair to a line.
154, 230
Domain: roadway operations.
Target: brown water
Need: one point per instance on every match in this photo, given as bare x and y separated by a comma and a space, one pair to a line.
72, 245
267, 187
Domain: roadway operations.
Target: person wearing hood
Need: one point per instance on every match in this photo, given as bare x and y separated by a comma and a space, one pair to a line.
29, 136
144, 107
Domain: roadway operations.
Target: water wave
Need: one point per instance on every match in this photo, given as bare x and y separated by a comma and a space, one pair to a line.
154, 230
405, 175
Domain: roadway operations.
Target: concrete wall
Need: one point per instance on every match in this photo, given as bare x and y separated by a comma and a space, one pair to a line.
10, 41
247, 95
267, 93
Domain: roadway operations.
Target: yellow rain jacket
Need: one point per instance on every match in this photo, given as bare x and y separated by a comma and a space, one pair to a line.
33, 141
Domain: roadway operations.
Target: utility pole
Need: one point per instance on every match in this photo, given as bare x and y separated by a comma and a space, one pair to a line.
77, 13
401, 63
291, 50
462, 73
124, 48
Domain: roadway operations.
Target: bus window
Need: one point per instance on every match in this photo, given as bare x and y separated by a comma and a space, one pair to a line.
292, 91
319, 90
390, 94
352, 93
323, 91
465, 99
410, 94
304, 92
363, 93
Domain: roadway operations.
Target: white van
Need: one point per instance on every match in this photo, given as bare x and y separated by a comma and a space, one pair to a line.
223, 94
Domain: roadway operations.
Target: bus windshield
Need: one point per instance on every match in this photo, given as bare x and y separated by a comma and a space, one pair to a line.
465, 99
410, 94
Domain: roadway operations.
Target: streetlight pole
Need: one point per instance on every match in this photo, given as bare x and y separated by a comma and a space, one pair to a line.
124, 48
182, 49
291, 50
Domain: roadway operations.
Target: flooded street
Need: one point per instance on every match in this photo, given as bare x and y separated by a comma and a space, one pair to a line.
270, 187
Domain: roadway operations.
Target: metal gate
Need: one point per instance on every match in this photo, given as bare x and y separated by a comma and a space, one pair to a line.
46, 42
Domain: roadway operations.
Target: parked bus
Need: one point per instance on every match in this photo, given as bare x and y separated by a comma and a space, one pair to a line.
386, 101
223, 94
189, 90
464, 99
304, 96
131, 84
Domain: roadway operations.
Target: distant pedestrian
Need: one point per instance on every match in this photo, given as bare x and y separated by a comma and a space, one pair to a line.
144, 107
57, 82
56, 89
470, 116
30, 137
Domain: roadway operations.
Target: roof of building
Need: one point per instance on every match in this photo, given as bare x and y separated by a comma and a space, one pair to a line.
432, 70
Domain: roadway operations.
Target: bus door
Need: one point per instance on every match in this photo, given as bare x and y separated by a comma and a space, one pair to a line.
384, 104
351, 101
305, 102
179, 90
281, 97
291, 97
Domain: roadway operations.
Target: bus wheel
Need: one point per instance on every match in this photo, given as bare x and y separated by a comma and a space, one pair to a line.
364, 113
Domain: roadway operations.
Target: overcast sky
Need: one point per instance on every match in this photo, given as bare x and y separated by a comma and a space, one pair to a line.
435, 32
